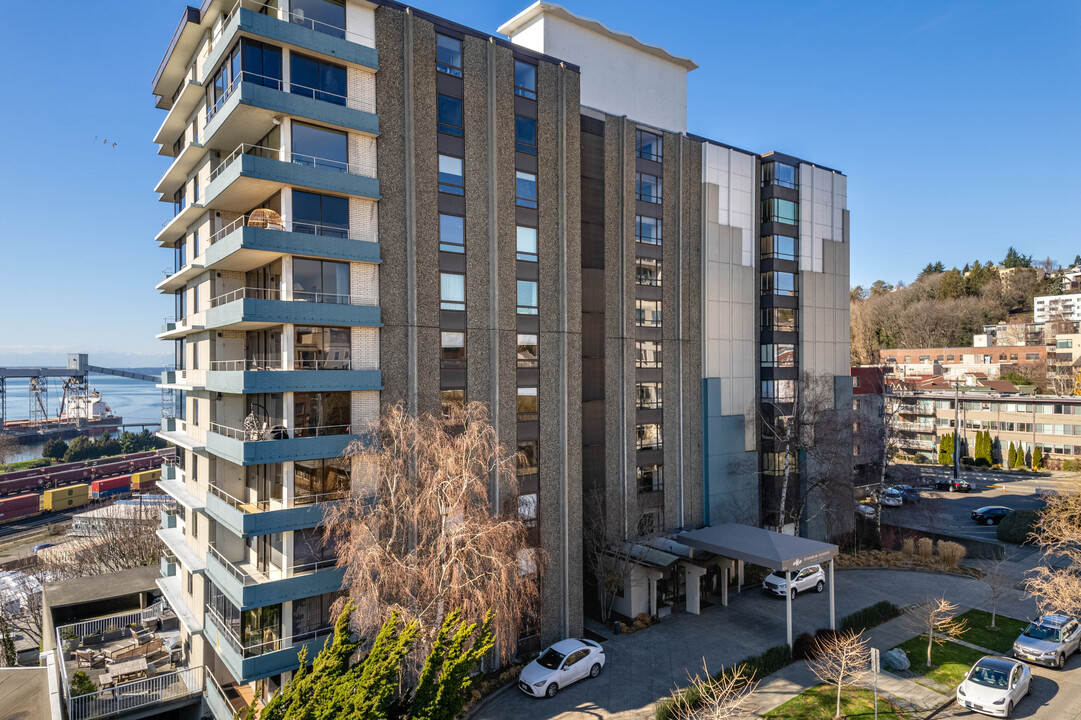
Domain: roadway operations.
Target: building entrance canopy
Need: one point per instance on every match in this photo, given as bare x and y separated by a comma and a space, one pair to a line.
759, 546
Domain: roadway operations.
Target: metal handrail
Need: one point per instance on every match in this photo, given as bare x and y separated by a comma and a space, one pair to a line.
266, 362
101, 625
253, 506
288, 87
366, 168
246, 293
323, 297
132, 695
320, 364
227, 229
306, 228
320, 430
239, 575
294, 18
276, 426
244, 149
266, 646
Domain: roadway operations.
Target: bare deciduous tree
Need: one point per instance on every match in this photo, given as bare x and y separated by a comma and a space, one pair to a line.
840, 660
1058, 531
997, 585
118, 537
725, 697
937, 618
608, 561
424, 536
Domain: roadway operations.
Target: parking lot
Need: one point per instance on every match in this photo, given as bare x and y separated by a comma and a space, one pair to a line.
1056, 695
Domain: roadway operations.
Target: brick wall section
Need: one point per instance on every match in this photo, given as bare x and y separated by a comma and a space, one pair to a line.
361, 155
360, 94
364, 283
364, 348
364, 409
363, 220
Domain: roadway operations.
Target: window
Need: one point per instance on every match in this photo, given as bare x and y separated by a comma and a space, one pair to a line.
450, 399
649, 523
451, 291
649, 436
525, 80
527, 243
779, 390
647, 353
450, 115
195, 188
527, 297
448, 55
325, 16
778, 173
319, 147
321, 281
190, 583
650, 478
647, 188
647, 230
782, 211
180, 200
527, 404
1028, 356
648, 145
527, 458
452, 350
319, 480
525, 190
320, 214
647, 313
525, 135
527, 351
450, 175
649, 396
451, 233
322, 348
312, 616
783, 355
779, 247
320, 413
779, 283
317, 79
647, 272
312, 550
779, 319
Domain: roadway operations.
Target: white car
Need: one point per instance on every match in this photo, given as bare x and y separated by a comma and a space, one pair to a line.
809, 578
994, 686
566, 662
866, 511
891, 498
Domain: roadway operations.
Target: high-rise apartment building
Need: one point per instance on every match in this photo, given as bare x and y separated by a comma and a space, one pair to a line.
376, 205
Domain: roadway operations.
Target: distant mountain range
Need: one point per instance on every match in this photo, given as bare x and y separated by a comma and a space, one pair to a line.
116, 360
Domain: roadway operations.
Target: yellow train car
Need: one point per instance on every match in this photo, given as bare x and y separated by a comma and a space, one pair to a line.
145, 480
62, 498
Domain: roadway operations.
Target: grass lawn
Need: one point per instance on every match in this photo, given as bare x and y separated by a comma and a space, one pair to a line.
819, 702
949, 662
1000, 639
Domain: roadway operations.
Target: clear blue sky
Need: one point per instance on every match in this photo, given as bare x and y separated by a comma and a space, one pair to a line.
956, 123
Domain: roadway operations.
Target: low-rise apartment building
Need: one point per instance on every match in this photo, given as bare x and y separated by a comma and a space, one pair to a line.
1047, 308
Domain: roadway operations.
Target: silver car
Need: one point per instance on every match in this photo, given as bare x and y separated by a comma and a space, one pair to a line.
1049, 640
809, 578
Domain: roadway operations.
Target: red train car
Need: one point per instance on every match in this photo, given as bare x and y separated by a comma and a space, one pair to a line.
108, 487
19, 507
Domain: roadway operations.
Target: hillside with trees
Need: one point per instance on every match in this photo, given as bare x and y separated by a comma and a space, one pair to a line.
946, 307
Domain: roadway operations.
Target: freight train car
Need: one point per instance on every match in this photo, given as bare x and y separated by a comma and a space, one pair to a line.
145, 480
65, 497
119, 485
19, 507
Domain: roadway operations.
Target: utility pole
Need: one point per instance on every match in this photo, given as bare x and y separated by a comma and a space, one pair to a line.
956, 427
874, 673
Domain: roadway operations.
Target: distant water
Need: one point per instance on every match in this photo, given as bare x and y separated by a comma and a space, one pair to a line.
133, 400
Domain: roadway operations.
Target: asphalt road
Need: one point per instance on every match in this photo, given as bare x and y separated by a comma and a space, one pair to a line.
950, 513
1056, 695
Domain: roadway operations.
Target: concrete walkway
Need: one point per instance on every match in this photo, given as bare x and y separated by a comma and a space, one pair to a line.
646, 666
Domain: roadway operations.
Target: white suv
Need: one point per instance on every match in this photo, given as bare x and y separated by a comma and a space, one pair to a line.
809, 578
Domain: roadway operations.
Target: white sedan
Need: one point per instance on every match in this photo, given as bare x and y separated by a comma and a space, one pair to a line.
994, 686
891, 498
566, 662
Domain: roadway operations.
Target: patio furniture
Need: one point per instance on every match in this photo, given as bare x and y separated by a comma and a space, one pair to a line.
122, 651
142, 635
150, 624
106, 681
129, 669
151, 648
88, 658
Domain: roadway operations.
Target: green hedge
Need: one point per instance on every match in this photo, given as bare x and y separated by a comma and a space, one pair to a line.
868, 617
1017, 526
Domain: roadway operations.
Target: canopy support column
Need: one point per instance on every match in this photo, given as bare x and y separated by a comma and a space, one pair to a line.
788, 603
833, 613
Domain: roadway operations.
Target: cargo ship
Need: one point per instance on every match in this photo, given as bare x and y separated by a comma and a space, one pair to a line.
81, 415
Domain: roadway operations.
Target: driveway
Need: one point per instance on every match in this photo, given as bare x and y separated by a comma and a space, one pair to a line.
646, 666
1056, 695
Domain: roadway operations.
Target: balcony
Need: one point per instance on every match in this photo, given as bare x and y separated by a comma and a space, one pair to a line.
242, 380
256, 516
254, 308
291, 29
176, 329
253, 662
914, 427
179, 169
176, 280
914, 444
250, 104
251, 173
247, 586
174, 228
241, 247
273, 445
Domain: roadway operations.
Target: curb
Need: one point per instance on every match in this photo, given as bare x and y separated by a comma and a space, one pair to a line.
939, 708
485, 701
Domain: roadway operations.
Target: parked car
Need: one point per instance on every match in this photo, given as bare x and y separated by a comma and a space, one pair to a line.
990, 515
994, 686
41, 546
811, 577
561, 664
908, 493
1049, 640
952, 485
891, 498
865, 510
